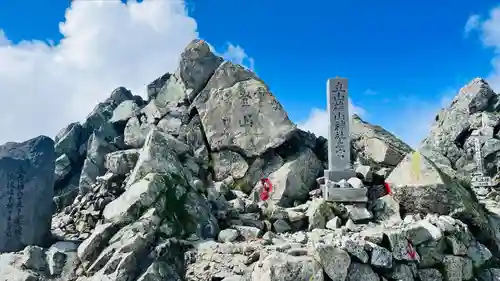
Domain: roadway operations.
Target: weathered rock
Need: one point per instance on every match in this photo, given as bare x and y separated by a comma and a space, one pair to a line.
381, 257
136, 132
103, 112
358, 213
334, 223
138, 197
160, 270
430, 274
228, 235
335, 261
196, 66
238, 111
68, 141
431, 253
62, 169
423, 231
124, 111
282, 267
356, 248
295, 179
479, 254
446, 142
27, 181
318, 214
92, 246
375, 146
423, 188
121, 162
170, 125
365, 172
489, 274
61, 257
9, 270
159, 155
401, 272
386, 209
33, 257
457, 268
355, 182
155, 86
361, 272
228, 163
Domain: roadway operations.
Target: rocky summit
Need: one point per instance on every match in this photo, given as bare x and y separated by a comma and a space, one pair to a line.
169, 188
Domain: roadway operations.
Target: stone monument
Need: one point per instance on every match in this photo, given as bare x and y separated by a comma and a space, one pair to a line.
26, 191
478, 178
339, 145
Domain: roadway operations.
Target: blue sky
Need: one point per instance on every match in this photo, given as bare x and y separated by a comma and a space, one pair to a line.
402, 59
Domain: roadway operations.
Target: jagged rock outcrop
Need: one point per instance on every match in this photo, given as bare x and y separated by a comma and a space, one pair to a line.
474, 110
168, 189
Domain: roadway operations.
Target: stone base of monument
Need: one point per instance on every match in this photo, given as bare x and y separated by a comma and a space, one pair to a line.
336, 176
344, 195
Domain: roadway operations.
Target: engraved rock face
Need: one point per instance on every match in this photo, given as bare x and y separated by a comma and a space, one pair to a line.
238, 112
26, 190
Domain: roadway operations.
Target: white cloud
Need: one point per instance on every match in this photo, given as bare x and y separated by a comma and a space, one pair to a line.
318, 119
106, 44
489, 31
471, 24
237, 55
415, 117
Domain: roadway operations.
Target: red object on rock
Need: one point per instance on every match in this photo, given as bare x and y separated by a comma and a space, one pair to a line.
264, 196
266, 188
387, 188
411, 251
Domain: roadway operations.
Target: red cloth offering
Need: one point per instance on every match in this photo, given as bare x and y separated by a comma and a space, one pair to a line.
266, 188
387, 188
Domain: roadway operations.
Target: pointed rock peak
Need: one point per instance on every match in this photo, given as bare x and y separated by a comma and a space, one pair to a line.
197, 48
356, 117
476, 87
119, 95
478, 81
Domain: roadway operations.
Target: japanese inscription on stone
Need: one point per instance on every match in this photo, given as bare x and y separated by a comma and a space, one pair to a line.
14, 206
338, 131
478, 178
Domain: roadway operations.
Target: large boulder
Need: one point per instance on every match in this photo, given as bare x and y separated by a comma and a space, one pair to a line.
293, 181
238, 112
158, 155
374, 146
421, 187
282, 267
26, 190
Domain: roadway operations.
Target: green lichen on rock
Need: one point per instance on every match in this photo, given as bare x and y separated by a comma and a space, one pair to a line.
174, 204
242, 185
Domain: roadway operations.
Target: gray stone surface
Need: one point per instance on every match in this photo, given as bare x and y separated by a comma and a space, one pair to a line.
346, 194
27, 180
233, 108
295, 178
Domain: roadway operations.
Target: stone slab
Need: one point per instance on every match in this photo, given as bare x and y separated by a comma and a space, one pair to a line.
345, 194
339, 143
339, 175
26, 191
